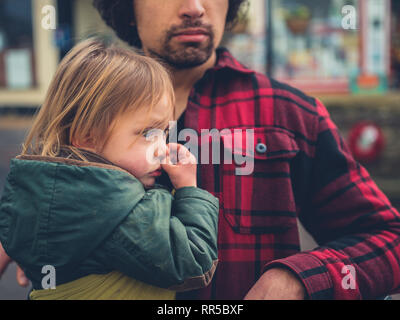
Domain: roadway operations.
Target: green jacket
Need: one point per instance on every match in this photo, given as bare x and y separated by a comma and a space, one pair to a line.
92, 218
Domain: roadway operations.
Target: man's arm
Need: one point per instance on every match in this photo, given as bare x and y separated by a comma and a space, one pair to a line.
5, 260
357, 228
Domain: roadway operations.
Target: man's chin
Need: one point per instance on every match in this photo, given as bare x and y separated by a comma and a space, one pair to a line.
188, 58
185, 55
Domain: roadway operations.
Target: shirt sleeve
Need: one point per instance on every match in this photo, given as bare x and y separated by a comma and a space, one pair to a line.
355, 225
168, 242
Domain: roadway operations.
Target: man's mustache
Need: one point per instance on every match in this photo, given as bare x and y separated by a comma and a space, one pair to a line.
174, 30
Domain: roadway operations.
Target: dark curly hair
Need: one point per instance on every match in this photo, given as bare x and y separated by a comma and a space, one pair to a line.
118, 14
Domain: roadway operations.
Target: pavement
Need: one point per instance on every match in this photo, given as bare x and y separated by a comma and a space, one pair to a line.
12, 134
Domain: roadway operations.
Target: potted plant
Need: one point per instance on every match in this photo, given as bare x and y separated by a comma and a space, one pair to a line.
298, 20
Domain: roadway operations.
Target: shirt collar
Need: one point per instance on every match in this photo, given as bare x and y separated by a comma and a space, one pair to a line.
226, 60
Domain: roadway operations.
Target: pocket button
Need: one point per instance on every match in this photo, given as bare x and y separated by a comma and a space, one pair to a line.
261, 148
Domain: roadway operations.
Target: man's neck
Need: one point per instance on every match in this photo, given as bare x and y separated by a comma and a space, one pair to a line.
184, 81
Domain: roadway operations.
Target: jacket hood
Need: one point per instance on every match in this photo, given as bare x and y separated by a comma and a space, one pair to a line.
56, 211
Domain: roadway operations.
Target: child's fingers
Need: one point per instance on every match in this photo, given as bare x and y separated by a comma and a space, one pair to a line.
192, 159
169, 162
177, 147
186, 157
182, 155
177, 152
165, 159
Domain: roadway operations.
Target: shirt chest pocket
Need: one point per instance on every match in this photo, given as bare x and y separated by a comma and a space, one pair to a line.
260, 199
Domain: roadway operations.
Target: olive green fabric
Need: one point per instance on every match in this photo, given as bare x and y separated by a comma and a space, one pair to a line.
88, 218
110, 286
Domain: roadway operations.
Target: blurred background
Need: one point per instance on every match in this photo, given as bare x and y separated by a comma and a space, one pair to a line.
344, 52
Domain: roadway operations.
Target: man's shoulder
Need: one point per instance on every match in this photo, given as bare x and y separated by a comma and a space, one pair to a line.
286, 91
239, 78
242, 97
258, 89
265, 86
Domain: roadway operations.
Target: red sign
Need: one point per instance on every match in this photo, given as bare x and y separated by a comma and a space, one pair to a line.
366, 141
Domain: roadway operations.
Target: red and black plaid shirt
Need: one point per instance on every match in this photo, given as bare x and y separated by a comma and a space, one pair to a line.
308, 173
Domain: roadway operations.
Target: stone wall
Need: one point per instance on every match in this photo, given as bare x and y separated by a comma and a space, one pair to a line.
385, 112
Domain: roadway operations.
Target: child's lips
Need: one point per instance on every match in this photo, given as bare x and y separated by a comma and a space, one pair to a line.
156, 173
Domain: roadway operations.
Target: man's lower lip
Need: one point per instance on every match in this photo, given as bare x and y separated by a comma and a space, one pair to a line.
200, 37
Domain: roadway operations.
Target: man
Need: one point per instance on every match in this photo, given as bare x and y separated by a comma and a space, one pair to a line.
302, 168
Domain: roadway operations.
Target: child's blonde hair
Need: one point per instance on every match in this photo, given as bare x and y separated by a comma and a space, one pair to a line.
94, 84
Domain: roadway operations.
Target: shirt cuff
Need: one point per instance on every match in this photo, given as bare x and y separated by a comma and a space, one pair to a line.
310, 271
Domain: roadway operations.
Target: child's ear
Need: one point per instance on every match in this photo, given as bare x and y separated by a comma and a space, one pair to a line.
85, 143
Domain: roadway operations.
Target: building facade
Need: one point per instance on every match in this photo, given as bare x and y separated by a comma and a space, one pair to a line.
30, 48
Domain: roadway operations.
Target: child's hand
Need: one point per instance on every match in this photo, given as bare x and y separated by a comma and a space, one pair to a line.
180, 166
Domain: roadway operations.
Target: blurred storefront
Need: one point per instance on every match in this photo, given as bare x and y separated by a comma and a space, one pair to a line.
329, 48
324, 47
28, 58
30, 51
395, 49
321, 47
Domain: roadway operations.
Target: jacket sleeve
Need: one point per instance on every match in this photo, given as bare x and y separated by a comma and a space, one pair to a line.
168, 242
354, 223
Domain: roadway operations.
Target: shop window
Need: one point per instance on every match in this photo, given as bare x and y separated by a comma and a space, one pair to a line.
310, 46
396, 44
17, 63
247, 41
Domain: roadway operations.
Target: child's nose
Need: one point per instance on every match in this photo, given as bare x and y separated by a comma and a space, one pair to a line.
161, 150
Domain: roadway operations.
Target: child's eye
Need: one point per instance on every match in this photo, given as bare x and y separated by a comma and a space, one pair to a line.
146, 132
150, 133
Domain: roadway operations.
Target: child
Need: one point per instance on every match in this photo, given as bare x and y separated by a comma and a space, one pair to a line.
81, 197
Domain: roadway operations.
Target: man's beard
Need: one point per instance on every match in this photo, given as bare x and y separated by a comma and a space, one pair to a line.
188, 54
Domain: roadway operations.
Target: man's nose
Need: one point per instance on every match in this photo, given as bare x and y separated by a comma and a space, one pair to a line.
191, 9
